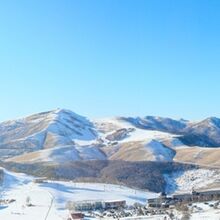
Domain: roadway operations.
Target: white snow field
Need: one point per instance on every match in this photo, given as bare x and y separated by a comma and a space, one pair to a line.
111, 124
203, 211
191, 179
50, 198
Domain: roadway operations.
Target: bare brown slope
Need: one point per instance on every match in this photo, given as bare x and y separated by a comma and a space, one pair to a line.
130, 151
198, 155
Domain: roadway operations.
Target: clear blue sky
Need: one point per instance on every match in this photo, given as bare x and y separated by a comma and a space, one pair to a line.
110, 57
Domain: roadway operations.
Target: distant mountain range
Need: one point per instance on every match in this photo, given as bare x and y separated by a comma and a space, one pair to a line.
143, 152
61, 135
204, 133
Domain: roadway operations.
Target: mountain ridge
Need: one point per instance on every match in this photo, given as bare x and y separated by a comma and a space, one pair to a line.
64, 135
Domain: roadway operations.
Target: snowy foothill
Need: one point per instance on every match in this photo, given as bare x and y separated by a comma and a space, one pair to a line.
191, 179
50, 198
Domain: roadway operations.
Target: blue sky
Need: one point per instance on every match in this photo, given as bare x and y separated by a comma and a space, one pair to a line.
110, 57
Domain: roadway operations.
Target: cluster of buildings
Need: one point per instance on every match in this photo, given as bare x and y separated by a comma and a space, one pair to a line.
90, 205
78, 207
165, 201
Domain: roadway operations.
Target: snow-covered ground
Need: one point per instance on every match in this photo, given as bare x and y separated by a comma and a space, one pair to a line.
204, 211
186, 181
50, 198
111, 124
159, 151
55, 194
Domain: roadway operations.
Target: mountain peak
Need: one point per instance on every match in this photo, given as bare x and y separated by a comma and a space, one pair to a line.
213, 121
62, 110
61, 114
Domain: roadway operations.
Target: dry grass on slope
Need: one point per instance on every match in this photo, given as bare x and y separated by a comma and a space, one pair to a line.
133, 151
25, 158
198, 155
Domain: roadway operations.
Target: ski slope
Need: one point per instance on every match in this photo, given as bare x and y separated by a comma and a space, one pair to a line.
51, 197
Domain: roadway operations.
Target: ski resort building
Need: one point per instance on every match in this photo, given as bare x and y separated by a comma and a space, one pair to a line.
114, 204
89, 205
40, 180
76, 216
195, 196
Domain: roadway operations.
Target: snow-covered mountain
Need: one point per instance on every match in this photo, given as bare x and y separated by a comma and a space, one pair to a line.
136, 151
159, 123
61, 135
204, 133
43, 131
